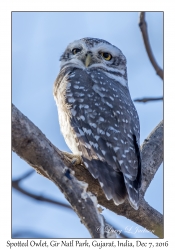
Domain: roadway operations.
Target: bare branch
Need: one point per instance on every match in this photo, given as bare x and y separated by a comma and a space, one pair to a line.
24, 176
15, 185
152, 155
31, 145
143, 28
148, 99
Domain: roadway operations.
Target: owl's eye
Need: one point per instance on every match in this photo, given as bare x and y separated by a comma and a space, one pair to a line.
107, 56
75, 51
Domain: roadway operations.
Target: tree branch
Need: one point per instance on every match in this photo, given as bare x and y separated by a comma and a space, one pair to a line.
143, 28
148, 99
152, 155
31, 145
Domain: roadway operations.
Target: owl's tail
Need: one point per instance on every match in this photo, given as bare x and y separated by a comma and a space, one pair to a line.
133, 192
134, 186
112, 182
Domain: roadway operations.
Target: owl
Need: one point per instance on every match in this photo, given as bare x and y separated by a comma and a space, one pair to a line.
97, 116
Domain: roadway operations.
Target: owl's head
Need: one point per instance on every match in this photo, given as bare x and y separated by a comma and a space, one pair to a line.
92, 53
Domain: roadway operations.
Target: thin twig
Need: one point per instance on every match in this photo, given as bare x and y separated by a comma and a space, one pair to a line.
143, 28
148, 99
15, 185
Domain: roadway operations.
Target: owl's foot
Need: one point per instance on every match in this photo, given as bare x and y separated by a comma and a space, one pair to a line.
75, 159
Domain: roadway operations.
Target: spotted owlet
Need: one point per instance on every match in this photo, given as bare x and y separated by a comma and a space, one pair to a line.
97, 116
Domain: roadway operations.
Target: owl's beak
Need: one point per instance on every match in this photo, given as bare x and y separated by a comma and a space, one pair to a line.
88, 59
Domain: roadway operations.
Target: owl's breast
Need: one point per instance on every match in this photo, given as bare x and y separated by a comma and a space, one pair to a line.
64, 115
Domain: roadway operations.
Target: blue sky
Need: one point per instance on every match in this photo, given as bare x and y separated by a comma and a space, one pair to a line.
38, 40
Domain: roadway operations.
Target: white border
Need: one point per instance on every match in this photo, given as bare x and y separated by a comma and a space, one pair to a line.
5, 98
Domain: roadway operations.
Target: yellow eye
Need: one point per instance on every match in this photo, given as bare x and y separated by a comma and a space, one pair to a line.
75, 51
107, 56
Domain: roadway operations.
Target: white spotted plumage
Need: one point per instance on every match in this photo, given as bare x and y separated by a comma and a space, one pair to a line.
98, 118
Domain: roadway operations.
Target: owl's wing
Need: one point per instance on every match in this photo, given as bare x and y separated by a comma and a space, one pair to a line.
111, 180
106, 127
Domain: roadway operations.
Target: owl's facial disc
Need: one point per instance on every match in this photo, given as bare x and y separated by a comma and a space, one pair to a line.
90, 53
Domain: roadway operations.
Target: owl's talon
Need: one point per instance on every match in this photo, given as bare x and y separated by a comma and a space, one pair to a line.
75, 159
